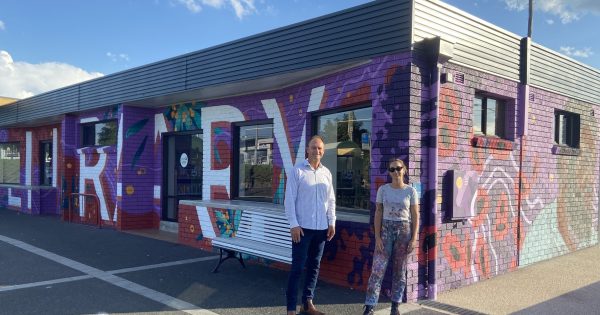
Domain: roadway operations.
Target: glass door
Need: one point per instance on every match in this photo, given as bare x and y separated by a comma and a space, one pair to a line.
182, 171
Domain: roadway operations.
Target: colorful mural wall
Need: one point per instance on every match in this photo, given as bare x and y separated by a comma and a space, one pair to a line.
553, 213
349, 255
28, 196
530, 200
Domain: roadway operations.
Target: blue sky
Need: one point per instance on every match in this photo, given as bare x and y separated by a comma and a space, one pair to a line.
48, 44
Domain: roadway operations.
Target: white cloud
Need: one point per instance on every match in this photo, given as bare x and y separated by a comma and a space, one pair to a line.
240, 7
550, 21
2, 26
22, 79
117, 57
572, 52
214, 3
243, 7
191, 5
567, 10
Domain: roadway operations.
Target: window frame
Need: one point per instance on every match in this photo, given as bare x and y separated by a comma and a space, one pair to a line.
83, 126
42, 161
500, 102
315, 131
18, 144
235, 159
573, 125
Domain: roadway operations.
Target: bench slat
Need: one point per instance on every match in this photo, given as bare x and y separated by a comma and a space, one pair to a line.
270, 221
278, 253
282, 243
264, 226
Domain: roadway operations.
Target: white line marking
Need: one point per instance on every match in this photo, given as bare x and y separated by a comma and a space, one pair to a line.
161, 265
43, 283
112, 279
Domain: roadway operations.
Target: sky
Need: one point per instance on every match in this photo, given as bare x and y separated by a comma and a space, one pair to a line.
45, 45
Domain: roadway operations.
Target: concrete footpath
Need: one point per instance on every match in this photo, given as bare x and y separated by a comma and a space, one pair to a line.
568, 284
48, 266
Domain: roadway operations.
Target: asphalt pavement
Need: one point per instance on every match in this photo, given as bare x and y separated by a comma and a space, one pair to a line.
48, 266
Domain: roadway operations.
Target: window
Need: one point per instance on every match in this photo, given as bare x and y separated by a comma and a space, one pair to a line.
347, 137
489, 116
254, 167
566, 129
10, 163
99, 133
46, 163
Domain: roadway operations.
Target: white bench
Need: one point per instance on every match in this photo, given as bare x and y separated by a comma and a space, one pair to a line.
261, 234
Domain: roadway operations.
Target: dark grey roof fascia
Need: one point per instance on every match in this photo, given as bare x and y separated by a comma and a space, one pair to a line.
556, 72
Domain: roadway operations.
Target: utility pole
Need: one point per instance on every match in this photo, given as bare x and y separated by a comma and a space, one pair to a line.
530, 24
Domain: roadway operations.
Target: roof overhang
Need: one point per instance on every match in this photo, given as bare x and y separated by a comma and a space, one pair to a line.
262, 84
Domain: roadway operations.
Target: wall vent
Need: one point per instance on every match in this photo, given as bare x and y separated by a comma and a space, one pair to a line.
531, 97
459, 78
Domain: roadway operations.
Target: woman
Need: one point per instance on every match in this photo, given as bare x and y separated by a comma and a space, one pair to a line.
396, 227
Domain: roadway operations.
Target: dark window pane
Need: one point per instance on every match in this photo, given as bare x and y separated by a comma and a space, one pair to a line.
255, 163
88, 135
566, 129
347, 137
500, 122
46, 163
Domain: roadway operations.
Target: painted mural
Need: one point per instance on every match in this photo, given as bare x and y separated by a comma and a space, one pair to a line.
528, 199
554, 212
89, 182
27, 195
290, 111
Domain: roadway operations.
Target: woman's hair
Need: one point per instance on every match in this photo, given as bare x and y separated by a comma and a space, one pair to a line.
397, 159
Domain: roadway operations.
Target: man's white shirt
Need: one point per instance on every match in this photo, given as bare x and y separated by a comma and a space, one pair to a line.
309, 197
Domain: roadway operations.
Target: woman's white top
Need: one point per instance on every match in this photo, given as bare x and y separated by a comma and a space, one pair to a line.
396, 202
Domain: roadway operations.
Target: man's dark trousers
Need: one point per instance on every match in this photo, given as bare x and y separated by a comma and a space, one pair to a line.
308, 251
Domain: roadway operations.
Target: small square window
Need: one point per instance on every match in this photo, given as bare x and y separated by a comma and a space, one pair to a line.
566, 129
489, 116
99, 133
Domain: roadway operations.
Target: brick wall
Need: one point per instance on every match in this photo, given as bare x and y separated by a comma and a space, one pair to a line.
136, 176
558, 194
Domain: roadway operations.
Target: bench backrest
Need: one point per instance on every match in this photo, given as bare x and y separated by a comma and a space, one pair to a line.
270, 228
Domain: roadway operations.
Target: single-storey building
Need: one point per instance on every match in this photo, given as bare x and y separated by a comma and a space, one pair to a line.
500, 136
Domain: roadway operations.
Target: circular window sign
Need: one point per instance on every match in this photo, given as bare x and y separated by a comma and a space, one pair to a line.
183, 160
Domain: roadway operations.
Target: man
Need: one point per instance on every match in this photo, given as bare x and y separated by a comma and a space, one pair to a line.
310, 209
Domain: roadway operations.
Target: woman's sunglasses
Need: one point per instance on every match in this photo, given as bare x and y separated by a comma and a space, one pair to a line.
393, 169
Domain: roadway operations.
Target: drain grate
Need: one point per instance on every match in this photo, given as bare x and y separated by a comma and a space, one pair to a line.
449, 308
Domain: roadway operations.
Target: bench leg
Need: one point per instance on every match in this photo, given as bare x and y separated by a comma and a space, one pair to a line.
230, 254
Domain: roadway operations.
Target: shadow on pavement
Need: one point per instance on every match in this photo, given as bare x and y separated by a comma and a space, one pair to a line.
580, 301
